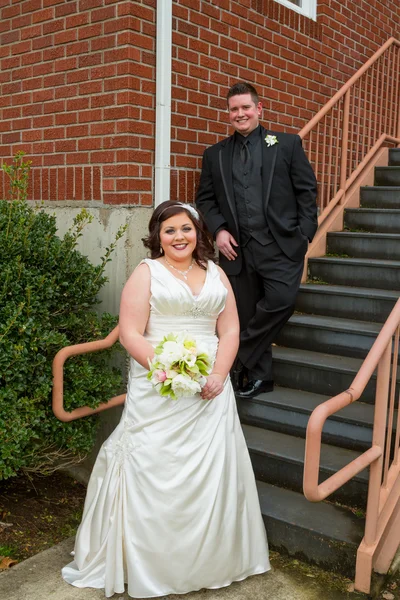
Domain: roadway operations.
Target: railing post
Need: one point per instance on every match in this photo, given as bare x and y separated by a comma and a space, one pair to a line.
378, 439
345, 144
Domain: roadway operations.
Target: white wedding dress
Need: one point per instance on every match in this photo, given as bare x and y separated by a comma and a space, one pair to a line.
172, 505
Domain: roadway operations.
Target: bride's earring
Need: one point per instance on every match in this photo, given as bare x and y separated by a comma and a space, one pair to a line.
161, 250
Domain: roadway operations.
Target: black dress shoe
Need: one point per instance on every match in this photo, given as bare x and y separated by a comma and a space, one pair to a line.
255, 387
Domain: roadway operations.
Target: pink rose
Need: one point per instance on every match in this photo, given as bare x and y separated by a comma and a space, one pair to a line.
161, 376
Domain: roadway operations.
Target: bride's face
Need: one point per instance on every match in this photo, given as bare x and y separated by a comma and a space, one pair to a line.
178, 237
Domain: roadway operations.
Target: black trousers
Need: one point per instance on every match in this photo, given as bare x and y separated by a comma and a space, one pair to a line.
265, 292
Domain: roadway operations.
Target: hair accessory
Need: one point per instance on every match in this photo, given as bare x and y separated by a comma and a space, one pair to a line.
191, 209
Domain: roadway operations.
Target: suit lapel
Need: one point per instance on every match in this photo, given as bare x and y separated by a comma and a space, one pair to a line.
269, 154
225, 165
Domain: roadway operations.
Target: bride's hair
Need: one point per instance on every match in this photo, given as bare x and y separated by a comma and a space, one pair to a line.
204, 247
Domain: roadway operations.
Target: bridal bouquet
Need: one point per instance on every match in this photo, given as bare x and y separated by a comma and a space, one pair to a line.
179, 366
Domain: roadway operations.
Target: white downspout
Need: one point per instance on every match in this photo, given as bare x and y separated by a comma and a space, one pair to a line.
163, 101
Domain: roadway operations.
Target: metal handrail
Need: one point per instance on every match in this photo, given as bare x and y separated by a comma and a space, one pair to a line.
58, 379
338, 138
350, 130
383, 505
312, 490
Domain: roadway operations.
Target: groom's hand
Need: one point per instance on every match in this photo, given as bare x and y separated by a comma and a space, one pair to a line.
225, 243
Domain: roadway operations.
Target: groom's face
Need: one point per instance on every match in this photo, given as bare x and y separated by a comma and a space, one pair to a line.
244, 114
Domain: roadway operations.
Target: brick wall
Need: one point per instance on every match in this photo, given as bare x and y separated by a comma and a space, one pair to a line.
77, 83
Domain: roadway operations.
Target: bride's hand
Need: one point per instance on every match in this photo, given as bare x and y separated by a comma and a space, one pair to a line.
213, 387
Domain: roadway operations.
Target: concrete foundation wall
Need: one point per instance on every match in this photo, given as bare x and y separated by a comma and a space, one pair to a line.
97, 236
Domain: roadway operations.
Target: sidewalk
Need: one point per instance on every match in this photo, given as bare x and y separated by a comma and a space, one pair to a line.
38, 578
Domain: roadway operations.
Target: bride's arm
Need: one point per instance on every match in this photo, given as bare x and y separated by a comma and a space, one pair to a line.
134, 314
228, 331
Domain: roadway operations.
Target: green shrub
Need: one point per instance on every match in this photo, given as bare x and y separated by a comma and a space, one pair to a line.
48, 291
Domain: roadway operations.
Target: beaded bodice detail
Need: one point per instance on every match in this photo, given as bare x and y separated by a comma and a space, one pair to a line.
175, 308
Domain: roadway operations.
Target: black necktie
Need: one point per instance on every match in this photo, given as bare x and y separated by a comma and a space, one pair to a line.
244, 152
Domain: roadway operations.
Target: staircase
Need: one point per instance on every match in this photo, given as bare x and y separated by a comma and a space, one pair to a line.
318, 353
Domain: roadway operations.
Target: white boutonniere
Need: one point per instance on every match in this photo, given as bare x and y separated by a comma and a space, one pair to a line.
271, 140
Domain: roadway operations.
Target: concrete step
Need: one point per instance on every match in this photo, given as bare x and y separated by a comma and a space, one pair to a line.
323, 533
317, 372
382, 220
278, 458
380, 274
380, 197
331, 335
387, 175
345, 301
384, 246
394, 157
287, 410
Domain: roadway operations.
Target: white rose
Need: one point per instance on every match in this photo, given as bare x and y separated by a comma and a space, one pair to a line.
171, 373
172, 352
182, 385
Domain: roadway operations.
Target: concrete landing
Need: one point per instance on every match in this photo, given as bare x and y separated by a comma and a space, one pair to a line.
38, 578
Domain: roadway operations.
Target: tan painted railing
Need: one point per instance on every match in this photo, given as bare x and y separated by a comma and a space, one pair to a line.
350, 129
342, 140
382, 529
58, 378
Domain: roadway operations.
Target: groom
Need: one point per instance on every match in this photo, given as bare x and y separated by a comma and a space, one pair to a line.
257, 193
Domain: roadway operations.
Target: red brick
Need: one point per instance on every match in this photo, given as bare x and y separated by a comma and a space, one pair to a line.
65, 146
10, 63
106, 41
77, 131
76, 20
12, 88
66, 8
77, 76
21, 21
11, 138
90, 143
31, 5
7, 12
55, 25
88, 116
103, 14
65, 118
102, 157
22, 47
31, 32
61, 174
42, 69
42, 42
54, 107
90, 31
64, 37
96, 183
77, 104
54, 133
54, 80
42, 95
90, 87
90, 60
103, 72
40, 16
102, 128
89, 4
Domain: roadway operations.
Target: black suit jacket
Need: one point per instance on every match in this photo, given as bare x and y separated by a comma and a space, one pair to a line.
289, 190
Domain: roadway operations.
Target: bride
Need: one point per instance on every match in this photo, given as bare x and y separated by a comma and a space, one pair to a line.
172, 505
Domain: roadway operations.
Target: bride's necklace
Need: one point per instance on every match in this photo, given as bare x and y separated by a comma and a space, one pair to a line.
183, 273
